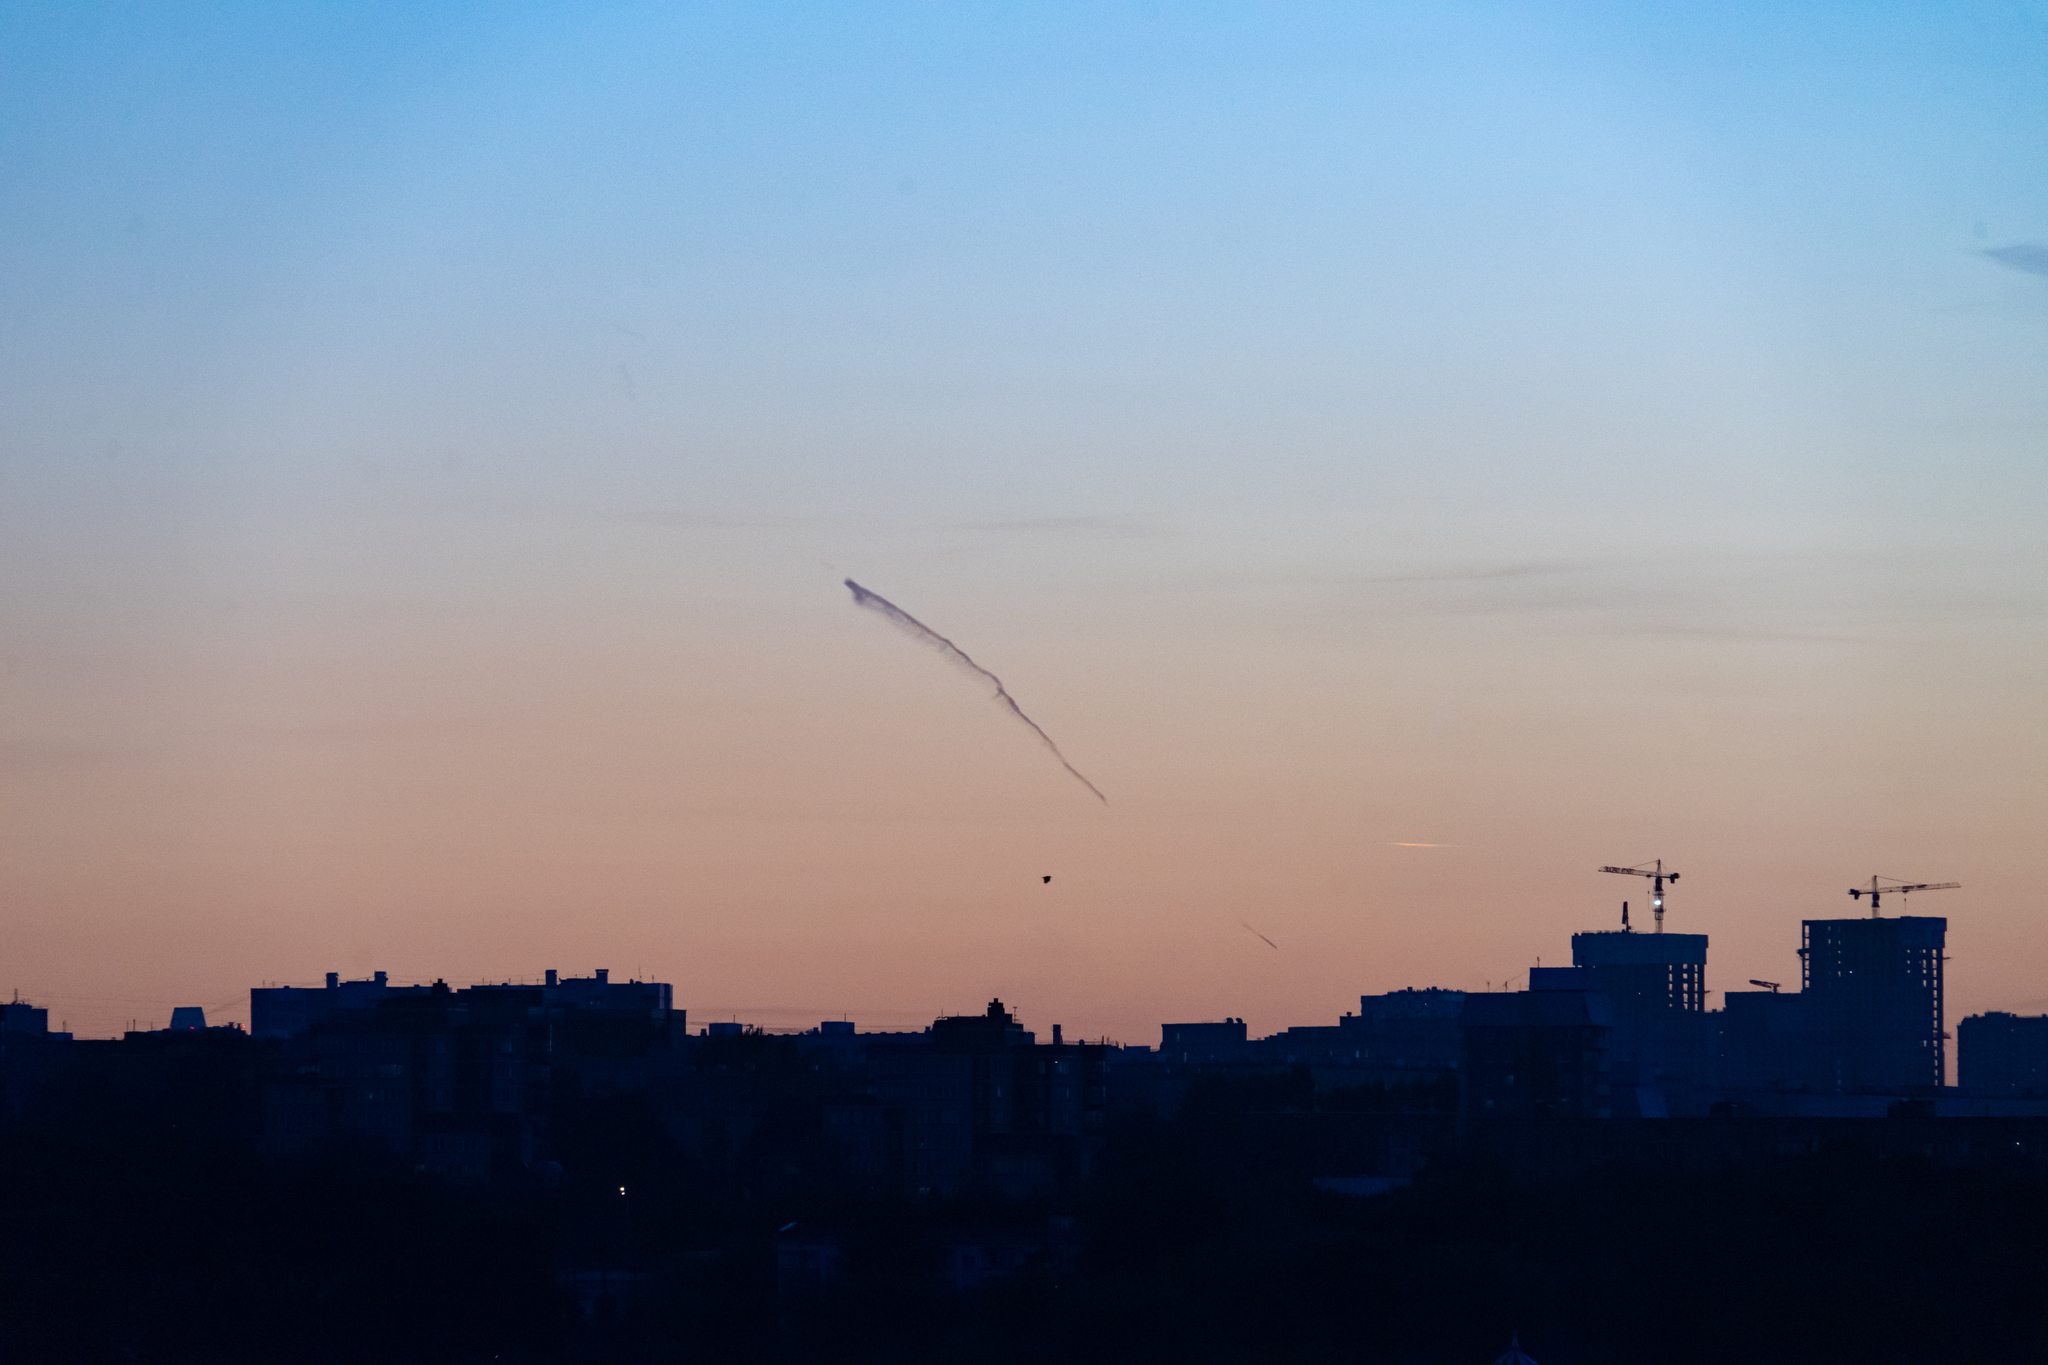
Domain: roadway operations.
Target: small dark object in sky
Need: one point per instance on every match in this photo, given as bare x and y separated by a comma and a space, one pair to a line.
1048, 879
1255, 933
875, 602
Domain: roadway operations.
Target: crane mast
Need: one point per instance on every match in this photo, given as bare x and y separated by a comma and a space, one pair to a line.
1658, 876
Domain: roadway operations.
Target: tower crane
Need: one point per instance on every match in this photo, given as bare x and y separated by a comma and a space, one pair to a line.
1874, 890
1658, 877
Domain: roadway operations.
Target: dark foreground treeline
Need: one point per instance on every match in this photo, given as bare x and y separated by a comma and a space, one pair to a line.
145, 1233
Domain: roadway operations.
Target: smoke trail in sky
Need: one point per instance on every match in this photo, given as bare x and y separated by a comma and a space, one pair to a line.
863, 598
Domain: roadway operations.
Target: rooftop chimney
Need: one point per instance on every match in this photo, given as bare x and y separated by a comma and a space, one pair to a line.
603, 975
333, 980
1055, 1035
551, 976
380, 980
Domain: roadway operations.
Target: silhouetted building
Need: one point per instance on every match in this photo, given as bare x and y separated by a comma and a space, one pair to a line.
977, 1103
286, 1011
598, 993
1873, 997
2003, 1055
1539, 1053
1214, 1041
1765, 1043
838, 1044
20, 1017
1401, 1038
30, 1056
434, 1076
462, 1082
1865, 1029
1316, 1046
1662, 1051
208, 1079
1644, 975
1408, 1030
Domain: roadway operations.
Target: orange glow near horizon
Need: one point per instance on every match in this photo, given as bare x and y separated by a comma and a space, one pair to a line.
424, 503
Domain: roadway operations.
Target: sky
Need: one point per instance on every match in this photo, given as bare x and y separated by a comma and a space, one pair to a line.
1407, 457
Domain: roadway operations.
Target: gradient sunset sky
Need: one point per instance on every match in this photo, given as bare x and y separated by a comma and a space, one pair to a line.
1406, 456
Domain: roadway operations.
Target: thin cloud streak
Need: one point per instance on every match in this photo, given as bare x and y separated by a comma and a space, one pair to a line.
1092, 526
1485, 575
2027, 257
918, 629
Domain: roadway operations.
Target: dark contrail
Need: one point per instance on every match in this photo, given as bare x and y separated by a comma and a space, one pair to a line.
873, 602
1256, 934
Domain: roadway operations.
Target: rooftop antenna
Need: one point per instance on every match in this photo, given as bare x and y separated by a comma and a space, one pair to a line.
1874, 890
1624, 918
1658, 877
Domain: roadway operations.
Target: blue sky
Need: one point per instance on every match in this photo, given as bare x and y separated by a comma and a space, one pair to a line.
794, 256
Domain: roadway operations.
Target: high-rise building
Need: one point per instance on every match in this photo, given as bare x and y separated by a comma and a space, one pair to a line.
1873, 1001
1644, 973
1661, 1051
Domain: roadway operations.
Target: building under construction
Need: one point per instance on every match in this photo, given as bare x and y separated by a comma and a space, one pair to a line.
1872, 998
1662, 1049
1645, 974
1866, 1021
